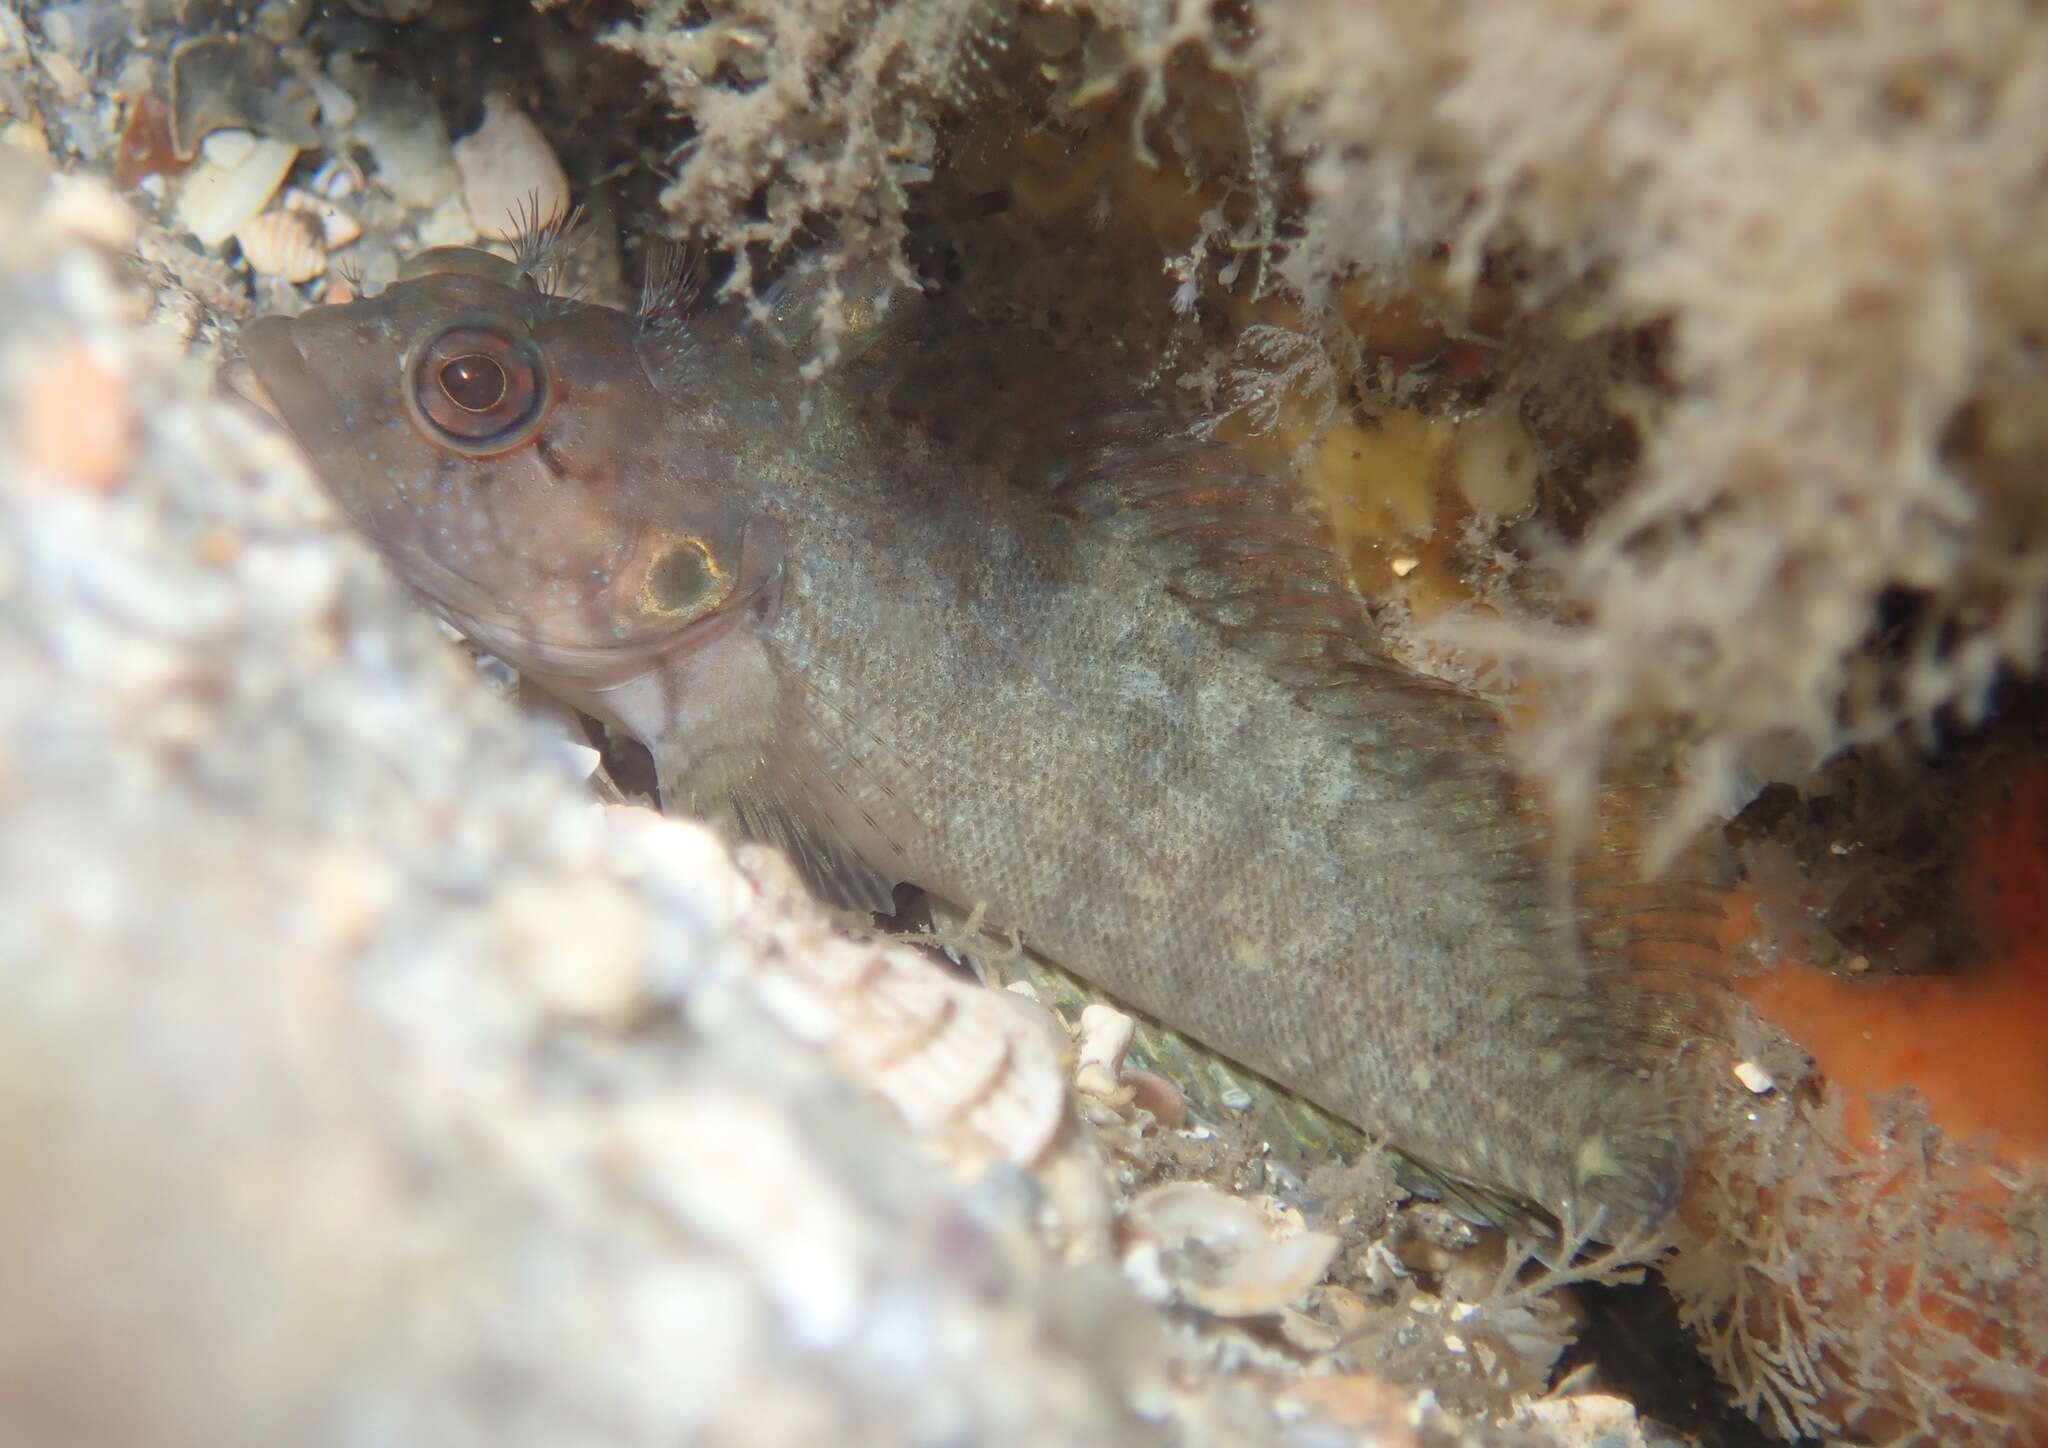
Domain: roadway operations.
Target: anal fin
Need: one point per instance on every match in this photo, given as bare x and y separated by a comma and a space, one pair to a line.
828, 794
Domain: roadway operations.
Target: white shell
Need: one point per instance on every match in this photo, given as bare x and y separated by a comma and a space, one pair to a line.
218, 200
283, 244
964, 1066
338, 178
1105, 1036
228, 148
337, 227
509, 171
1238, 1266
337, 106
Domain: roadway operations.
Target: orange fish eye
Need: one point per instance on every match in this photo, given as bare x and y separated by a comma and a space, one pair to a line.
477, 389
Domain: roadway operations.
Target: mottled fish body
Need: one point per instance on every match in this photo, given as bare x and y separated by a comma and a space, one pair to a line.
959, 616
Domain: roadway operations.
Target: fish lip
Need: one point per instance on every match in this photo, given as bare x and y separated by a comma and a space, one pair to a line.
275, 375
596, 666
240, 379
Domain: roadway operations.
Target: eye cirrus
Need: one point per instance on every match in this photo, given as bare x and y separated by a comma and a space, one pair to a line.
477, 390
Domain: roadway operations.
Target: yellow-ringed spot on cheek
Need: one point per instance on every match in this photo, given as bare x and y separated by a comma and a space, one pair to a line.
684, 580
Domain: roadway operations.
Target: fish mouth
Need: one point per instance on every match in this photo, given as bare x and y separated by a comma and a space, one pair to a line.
274, 375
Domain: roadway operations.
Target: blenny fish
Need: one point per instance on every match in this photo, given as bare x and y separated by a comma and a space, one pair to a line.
966, 615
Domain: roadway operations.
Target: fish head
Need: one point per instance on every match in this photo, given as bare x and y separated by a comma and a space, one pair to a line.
507, 451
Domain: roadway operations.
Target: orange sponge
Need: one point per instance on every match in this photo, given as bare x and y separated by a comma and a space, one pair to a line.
1863, 1263
1974, 1045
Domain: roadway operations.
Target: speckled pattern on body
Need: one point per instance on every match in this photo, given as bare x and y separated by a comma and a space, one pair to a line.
959, 615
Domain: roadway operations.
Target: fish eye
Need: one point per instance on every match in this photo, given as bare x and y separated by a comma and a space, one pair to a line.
684, 580
475, 383
477, 389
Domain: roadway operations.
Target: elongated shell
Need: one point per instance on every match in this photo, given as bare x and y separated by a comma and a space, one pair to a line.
219, 198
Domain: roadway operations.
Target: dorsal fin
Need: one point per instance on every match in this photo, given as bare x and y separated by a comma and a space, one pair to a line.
1246, 550
1249, 552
